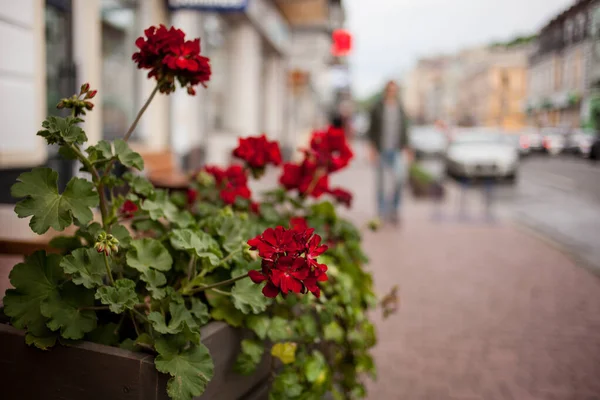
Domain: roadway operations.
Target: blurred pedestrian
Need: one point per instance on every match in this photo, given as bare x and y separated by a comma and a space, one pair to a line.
389, 151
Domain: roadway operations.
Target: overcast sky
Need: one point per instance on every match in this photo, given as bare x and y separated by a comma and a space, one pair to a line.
390, 35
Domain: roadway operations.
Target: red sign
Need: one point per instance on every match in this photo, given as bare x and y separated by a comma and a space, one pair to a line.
342, 43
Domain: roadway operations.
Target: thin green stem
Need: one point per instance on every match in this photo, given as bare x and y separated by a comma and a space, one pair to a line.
97, 180
221, 292
140, 113
215, 285
137, 330
229, 257
108, 271
191, 267
139, 314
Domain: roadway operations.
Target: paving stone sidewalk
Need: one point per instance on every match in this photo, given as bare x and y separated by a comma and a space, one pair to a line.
488, 311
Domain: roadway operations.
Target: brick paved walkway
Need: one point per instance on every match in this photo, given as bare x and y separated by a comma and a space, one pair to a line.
487, 311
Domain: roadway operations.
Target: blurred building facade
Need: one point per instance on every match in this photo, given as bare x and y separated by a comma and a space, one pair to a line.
493, 90
560, 68
258, 48
477, 86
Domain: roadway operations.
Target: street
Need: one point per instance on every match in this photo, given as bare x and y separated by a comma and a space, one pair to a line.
559, 197
488, 310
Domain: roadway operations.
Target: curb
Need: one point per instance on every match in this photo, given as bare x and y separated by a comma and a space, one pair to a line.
527, 229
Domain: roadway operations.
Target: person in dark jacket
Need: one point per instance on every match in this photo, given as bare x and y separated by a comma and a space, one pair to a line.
389, 150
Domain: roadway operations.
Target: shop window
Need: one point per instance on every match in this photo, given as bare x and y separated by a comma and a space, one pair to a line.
120, 29
214, 46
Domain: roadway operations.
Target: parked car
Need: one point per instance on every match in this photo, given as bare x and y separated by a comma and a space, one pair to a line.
594, 154
533, 139
482, 154
553, 140
428, 141
579, 142
520, 142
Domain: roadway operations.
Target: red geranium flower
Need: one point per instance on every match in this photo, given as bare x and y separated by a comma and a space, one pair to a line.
217, 172
342, 196
128, 209
170, 57
305, 178
274, 242
192, 196
298, 223
330, 149
289, 261
258, 152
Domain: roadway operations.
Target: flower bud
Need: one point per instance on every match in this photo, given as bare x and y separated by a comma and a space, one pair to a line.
60, 105
91, 94
88, 105
84, 88
191, 91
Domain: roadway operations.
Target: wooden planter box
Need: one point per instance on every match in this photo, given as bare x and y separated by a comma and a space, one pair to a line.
92, 371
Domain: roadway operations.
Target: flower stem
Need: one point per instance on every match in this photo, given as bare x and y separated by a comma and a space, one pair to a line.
139, 314
221, 292
191, 267
137, 330
140, 113
108, 271
229, 257
319, 173
215, 285
96, 178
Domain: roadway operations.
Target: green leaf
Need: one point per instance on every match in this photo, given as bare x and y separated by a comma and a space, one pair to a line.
198, 243
139, 184
58, 129
66, 243
307, 325
224, 310
107, 334
286, 385
200, 311
248, 298
64, 312
280, 329
233, 234
120, 297
149, 253
122, 235
191, 369
315, 367
334, 332
285, 352
154, 280
86, 267
160, 206
259, 324
41, 342
250, 356
365, 364
34, 280
126, 156
181, 318
48, 208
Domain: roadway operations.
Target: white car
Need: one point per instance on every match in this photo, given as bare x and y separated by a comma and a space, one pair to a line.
482, 154
554, 140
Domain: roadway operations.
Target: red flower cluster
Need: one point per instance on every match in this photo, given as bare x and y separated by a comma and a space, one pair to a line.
168, 56
330, 149
128, 209
192, 196
329, 152
289, 260
306, 177
233, 182
342, 196
258, 152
